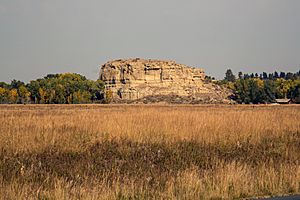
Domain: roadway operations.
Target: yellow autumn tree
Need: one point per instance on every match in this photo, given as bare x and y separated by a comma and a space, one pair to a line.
24, 94
42, 94
108, 96
260, 83
13, 96
3, 95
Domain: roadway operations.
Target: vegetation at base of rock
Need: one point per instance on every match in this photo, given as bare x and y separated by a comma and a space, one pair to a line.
65, 88
263, 88
148, 152
69, 88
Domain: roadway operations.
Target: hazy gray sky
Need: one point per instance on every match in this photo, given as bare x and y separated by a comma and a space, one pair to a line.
38, 37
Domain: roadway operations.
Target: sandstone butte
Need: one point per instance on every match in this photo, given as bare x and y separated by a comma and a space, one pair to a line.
152, 81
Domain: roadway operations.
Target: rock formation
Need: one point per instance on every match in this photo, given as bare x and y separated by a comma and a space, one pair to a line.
135, 80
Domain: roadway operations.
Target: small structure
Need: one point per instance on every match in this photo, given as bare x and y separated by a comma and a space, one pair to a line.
283, 101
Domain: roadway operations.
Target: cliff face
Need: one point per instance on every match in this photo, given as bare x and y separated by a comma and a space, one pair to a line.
136, 79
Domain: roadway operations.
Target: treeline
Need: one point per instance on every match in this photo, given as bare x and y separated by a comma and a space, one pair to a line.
68, 88
263, 88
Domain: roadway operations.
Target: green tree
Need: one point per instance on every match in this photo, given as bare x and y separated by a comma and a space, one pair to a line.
294, 92
282, 87
289, 76
4, 85
16, 84
240, 75
65, 88
270, 90
253, 90
33, 88
229, 76
265, 76
242, 91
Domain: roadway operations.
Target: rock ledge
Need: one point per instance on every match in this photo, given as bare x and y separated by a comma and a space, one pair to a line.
136, 80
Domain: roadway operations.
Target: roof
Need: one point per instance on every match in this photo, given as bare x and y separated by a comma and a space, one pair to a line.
282, 100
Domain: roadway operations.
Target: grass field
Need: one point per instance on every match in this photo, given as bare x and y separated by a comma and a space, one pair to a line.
148, 152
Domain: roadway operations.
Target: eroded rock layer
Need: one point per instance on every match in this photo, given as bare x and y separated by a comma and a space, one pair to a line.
139, 79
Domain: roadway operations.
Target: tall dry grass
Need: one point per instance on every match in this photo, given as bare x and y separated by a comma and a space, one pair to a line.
148, 152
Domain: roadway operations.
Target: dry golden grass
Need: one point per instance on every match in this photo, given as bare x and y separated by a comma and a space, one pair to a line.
148, 151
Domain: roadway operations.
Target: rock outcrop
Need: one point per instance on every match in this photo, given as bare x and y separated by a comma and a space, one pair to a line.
140, 80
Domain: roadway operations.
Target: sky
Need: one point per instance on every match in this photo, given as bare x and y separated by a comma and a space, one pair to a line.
40, 37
